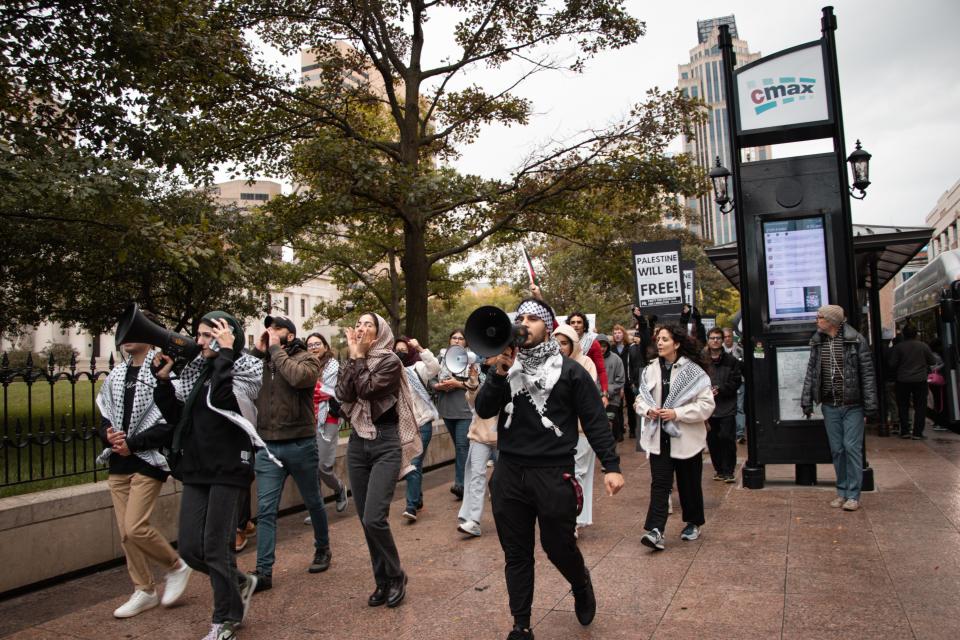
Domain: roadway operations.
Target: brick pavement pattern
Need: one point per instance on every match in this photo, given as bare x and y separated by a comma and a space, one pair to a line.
775, 563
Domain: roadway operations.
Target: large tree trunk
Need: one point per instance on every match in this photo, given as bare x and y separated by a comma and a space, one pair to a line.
416, 270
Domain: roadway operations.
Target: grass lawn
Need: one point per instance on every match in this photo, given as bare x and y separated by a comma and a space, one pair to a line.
50, 463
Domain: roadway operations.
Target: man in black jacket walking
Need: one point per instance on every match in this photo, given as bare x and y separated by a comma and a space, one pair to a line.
540, 396
910, 361
724, 372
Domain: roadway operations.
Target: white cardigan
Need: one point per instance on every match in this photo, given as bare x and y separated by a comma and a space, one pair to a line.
426, 368
690, 417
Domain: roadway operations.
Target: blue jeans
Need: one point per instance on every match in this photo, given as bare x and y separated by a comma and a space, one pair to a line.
415, 478
458, 429
845, 433
300, 460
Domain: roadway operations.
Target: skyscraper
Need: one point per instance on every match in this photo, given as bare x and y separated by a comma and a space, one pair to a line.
702, 78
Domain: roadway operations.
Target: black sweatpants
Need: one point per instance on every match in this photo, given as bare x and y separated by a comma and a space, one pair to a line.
522, 496
208, 530
616, 425
915, 392
689, 474
722, 442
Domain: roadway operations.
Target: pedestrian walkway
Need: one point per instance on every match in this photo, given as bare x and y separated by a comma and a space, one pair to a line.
775, 563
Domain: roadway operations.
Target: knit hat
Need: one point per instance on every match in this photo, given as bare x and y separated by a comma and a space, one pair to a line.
832, 313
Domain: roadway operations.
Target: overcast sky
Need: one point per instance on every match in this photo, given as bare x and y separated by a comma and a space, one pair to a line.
899, 80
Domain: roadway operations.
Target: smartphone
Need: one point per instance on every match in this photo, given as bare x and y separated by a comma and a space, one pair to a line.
214, 345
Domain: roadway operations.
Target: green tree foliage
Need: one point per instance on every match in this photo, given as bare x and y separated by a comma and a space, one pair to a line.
83, 237
375, 152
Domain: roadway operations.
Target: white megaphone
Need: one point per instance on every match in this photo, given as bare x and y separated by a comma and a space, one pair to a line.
457, 359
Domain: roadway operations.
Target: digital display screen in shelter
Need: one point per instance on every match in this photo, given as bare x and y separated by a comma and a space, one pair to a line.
796, 266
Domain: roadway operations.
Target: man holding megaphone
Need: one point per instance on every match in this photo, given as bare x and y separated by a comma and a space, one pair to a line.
540, 397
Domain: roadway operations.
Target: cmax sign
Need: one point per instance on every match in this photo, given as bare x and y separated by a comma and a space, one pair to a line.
783, 90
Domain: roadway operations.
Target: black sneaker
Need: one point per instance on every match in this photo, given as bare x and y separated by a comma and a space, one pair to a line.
457, 491
690, 532
919, 437
321, 560
410, 514
585, 602
378, 597
905, 435
653, 539
520, 633
264, 582
729, 479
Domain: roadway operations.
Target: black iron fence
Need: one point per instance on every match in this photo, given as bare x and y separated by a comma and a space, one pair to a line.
49, 424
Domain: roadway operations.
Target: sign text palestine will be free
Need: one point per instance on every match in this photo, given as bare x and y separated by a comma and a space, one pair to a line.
658, 277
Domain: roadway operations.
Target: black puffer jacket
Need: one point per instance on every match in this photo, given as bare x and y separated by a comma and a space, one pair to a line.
859, 379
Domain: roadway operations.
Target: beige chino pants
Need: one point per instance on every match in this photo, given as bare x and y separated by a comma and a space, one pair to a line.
134, 496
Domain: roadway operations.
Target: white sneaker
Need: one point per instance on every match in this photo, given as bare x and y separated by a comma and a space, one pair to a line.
308, 520
214, 632
139, 602
470, 528
247, 590
176, 584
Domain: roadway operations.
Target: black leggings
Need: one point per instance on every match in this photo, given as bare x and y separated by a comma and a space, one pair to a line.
689, 474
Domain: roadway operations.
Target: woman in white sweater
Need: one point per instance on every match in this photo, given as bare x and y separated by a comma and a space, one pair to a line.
674, 398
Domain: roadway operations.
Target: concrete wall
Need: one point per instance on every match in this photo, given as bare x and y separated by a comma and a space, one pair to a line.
51, 533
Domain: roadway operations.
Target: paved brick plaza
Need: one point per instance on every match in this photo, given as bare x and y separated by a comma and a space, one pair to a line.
776, 563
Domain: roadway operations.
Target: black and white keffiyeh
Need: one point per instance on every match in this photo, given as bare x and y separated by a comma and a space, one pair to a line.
587, 340
539, 309
533, 374
684, 387
144, 413
247, 376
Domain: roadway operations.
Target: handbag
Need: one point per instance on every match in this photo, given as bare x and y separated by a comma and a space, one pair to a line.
936, 379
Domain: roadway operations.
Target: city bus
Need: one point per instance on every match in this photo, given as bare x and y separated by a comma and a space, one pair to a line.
930, 301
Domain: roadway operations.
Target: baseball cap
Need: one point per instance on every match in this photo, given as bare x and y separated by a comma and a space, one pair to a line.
281, 322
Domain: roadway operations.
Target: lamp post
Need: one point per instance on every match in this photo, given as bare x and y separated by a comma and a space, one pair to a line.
860, 166
720, 176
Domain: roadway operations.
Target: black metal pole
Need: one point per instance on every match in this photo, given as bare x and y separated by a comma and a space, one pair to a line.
846, 263
752, 472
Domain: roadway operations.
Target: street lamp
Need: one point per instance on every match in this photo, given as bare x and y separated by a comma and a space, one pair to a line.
860, 165
720, 177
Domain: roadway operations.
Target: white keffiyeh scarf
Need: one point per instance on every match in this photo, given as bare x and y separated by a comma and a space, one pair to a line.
247, 376
143, 415
533, 374
684, 387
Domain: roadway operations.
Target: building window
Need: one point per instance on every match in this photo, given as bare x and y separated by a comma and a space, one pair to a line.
286, 305
250, 340
309, 67
303, 308
262, 197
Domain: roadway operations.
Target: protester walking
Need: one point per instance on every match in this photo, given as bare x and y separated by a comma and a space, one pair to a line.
585, 459
420, 366
616, 379
724, 372
327, 409
840, 377
483, 445
675, 398
736, 351
540, 398
132, 428
450, 391
287, 423
911, 361
384, 441
591, 348
212, 405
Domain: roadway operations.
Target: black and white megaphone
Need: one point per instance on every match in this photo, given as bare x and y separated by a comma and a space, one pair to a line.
133, 326
489, 331
457, 359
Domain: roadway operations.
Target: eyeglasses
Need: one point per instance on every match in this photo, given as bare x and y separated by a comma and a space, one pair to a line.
715, 338
314, 345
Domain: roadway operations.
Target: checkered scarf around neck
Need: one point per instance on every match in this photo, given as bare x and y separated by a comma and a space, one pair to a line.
246, 379
534, 373
685, 386
144, 413
359, 414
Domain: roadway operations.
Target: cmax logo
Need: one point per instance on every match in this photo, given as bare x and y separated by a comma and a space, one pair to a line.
787, 90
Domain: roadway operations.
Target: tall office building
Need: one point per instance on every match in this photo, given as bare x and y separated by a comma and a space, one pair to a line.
702, 78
